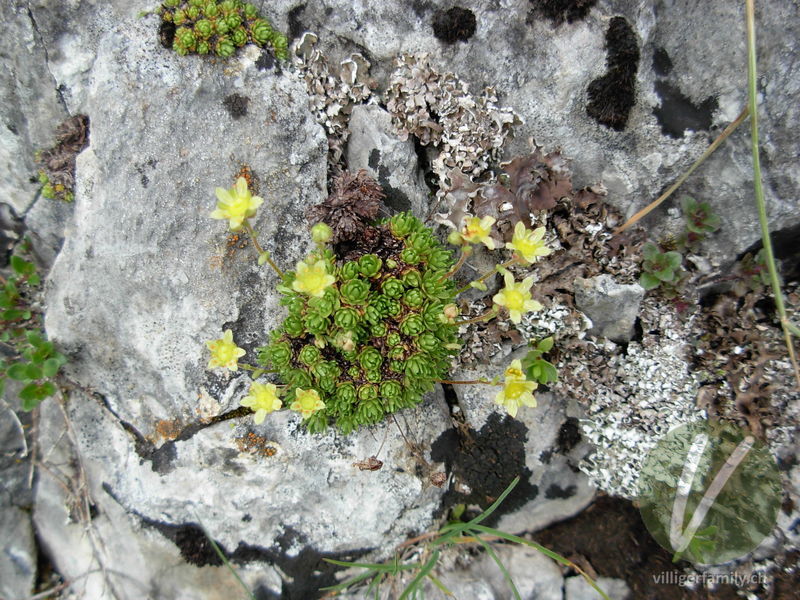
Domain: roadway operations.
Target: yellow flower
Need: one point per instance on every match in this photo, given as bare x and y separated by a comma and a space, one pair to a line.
313, 278
528, 245
477, 231
263, 398
516, 297
224, 353
517, 390
236, 204
307, 402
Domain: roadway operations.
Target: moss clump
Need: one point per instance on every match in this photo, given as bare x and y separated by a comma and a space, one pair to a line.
219, 27
376, 339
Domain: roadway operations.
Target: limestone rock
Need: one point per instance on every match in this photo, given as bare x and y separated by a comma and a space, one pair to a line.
612, 307
550, 490
144, 278
374, 146
689, 84
30, 106
577, 588
17, 546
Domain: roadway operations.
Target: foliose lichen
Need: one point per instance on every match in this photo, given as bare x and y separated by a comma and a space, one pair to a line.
369, 335
219, 27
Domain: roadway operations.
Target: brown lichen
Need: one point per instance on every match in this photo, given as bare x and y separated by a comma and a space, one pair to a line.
256, 445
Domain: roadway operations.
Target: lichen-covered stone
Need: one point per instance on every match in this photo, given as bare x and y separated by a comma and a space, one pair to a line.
612, 307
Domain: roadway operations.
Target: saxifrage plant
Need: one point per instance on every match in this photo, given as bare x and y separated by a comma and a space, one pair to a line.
372, 320
219, 27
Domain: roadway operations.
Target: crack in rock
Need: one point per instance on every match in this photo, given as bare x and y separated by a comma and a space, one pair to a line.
305, 571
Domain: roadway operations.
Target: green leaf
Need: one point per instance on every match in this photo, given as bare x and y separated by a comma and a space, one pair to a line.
674, 259
50, 367
21, 266
649, 281
550, 373
666, 274
33, 393
650, 251
689, 205
12, 314
2, 386
545, 345
33, 371
34, 279
263, 258
18, 371
34, 338
423, 572
478, 285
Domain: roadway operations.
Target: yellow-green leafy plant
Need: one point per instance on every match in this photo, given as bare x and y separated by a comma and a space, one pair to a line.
218, 27
371, 322
27, 356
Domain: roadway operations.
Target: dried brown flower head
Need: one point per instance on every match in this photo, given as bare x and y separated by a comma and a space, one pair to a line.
354, 202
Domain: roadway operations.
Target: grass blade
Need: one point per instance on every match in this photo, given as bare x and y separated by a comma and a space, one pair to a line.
225, 560
506, 575
547, 552
388, 568
708, 152
752, 75
423, 572
439, 585
448, 532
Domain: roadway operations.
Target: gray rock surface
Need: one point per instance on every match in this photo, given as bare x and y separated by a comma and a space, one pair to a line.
534, 575
108, 551
577, 588
373, 146
144, 278
17, 549
613, 307
142, 238
30, 104
560, 492
690, 55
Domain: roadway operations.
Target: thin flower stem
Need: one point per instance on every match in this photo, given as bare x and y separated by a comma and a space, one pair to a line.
486, 276
458, 265
253, 236
466, 381
489, 314
759, 190
708, 152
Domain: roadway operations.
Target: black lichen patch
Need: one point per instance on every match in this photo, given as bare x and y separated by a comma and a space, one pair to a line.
266, 61
454, 25
395, 199
487, 461
420, 7
555, 491
236, 105
569, 434
306, 572
612, 96
374, 159
560, 11
166, 34
296, 27
662, 63
677, 114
